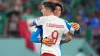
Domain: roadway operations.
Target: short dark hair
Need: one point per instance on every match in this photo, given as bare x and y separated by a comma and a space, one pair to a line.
10, 13
49, 5
60, 5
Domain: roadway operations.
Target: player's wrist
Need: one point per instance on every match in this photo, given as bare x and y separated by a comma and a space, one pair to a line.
64, 41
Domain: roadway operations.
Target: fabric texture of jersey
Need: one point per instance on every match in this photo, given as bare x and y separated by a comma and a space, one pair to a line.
38, 30
52, 27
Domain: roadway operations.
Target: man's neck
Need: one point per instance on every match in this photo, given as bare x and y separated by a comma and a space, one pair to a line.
49, 14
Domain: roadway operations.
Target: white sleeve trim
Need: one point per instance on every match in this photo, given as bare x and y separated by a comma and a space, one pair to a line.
72, 30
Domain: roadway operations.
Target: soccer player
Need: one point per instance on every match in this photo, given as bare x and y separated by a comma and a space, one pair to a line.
57, 12
52, 29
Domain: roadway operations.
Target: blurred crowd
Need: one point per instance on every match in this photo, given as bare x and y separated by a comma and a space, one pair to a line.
15, 13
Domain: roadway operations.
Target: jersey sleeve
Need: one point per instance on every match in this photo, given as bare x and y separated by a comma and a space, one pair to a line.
40, 21
73, 31
66, 30
34, 36
34, 23
70, 28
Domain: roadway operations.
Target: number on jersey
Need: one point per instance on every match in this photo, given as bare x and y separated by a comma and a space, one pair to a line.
55, 35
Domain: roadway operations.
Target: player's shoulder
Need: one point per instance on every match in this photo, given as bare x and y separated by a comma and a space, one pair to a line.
52, 16
45, 17
64, 20
42, 17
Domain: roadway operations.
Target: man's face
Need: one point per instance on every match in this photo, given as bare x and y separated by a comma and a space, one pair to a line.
44, 10
57, 11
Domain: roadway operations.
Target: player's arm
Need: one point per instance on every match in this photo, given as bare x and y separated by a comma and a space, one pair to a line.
32, 23
67, 39
77, 28
68, 35
48, 41
74, 28
37, 22
34, 36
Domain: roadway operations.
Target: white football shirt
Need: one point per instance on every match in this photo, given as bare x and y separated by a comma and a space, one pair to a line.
53, 27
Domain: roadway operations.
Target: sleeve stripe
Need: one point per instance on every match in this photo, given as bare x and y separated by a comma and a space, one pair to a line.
68, 25
34, 36
72, 30
34, 23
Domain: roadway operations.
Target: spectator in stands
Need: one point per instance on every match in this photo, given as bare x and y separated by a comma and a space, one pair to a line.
3, 19
98, 4
3, 24
98, 14
28, 13
18, 6
13, 18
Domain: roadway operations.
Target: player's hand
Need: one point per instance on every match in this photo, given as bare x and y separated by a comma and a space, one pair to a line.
48, 41
76, 26
31, 24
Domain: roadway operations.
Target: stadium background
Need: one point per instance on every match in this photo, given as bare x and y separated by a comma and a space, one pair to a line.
15, 33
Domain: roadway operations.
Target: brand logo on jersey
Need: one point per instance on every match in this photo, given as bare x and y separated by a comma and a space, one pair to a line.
54, 25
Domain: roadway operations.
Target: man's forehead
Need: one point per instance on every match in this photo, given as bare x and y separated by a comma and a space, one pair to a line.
58, 7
